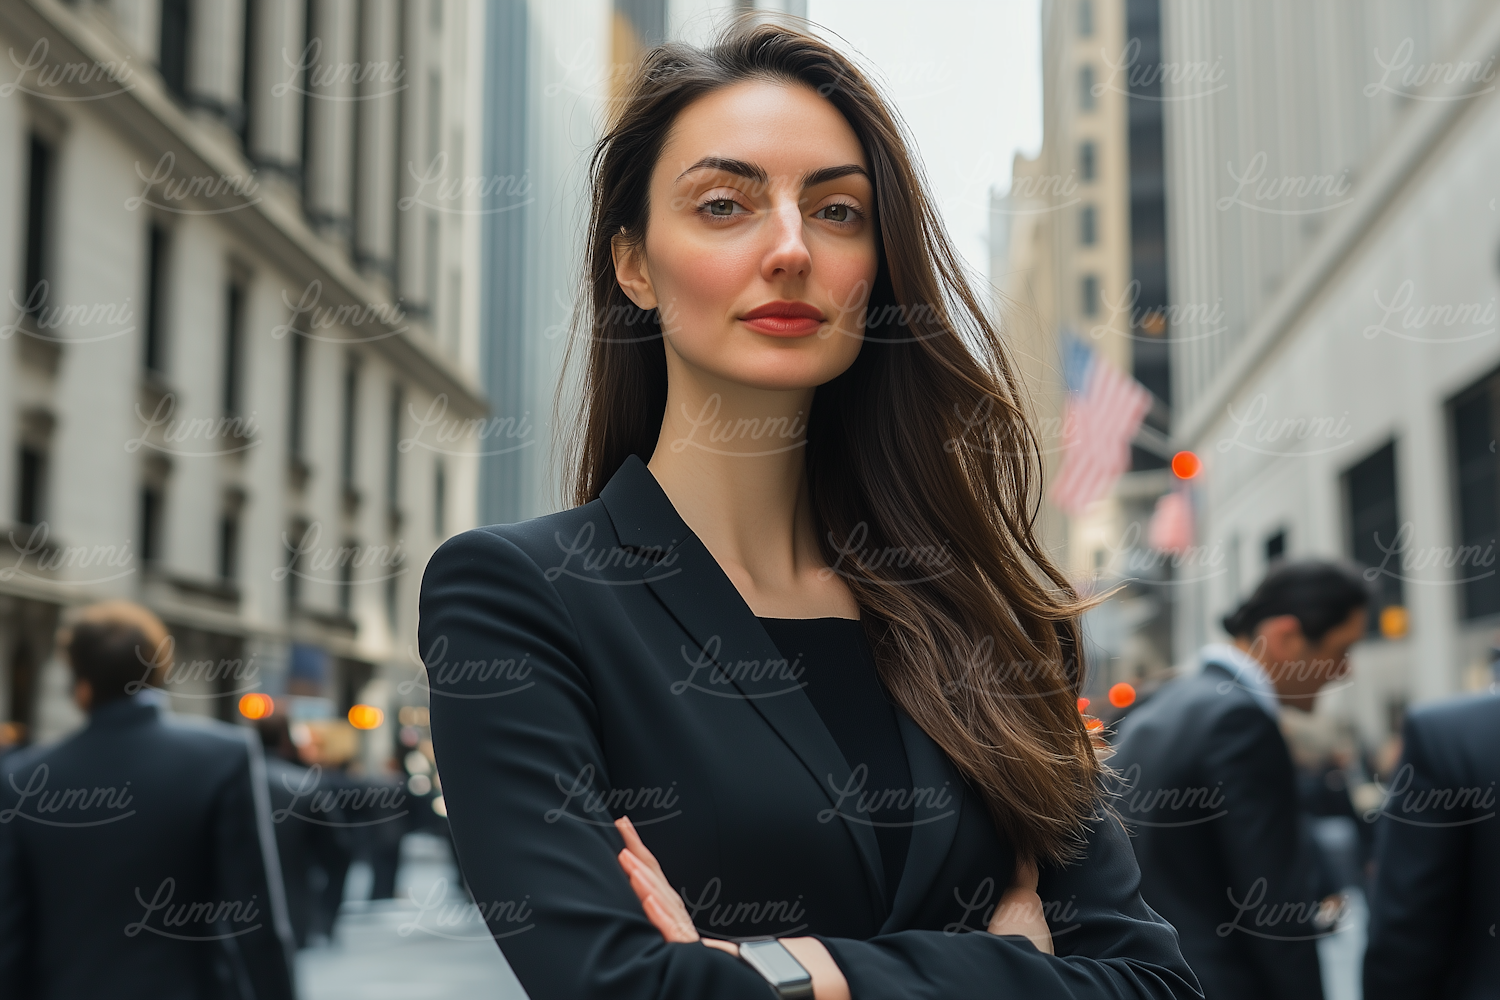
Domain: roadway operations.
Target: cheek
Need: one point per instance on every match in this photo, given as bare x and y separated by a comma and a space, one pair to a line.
848, 277
697, 288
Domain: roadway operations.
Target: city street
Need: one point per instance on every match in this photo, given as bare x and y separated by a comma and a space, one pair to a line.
426, 944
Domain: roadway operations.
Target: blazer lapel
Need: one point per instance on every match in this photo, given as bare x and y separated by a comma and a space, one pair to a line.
709, 608
940, 800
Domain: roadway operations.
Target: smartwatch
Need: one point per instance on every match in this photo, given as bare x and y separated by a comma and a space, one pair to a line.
779, 968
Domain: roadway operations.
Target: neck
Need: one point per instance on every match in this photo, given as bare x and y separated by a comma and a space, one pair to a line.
731, 458
1292, 691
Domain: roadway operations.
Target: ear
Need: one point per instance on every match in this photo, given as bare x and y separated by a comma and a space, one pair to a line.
83, 695
632, 272
1282, 636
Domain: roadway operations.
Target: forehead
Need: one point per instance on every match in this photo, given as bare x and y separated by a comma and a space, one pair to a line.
786, 128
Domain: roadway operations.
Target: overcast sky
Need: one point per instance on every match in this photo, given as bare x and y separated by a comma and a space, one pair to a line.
966, 76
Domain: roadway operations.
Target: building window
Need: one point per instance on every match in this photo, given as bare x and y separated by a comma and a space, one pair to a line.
439, 497
1085, 18
393, 598
346, 576
1090, 295
234, 339
248, 52
351, 410
151, 505
1088, 225
30, 484
156, 294
1374, 522
430, 278
1088, 166
38, 206
1276, 546
1086, 88
294, 537
393, 456
229, 547
297, 389
173, 57
1476, 470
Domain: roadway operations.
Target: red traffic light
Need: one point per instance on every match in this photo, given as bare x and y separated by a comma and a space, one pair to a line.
1186, 465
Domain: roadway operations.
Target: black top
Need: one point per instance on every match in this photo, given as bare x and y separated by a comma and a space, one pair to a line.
597, 662
841, 682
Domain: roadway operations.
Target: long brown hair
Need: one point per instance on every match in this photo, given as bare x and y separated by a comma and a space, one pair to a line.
922, 469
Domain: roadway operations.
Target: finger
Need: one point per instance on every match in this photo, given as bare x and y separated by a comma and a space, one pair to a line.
635, 845
670, 928
663, 906
726, 946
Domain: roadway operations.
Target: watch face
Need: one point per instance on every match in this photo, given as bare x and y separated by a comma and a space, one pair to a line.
773, 961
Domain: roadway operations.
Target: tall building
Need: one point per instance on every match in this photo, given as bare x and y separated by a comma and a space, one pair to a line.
1079, 250
1333, 234
240, 327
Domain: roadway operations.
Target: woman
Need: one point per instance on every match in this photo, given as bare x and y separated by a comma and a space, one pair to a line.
796, 667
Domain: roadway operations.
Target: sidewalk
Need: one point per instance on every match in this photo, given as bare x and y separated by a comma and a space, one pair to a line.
428, 943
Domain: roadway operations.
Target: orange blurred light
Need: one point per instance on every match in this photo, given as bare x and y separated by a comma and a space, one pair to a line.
1122, 695
1186, 465
1083, 703
1093, 725
1394, 621
366, 717
256, 706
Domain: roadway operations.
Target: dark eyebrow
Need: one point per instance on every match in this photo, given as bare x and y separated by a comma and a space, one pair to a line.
753, 172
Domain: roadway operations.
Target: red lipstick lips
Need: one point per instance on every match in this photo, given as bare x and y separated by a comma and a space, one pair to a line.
784, 319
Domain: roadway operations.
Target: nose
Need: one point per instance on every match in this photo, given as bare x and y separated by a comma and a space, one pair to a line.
787, 256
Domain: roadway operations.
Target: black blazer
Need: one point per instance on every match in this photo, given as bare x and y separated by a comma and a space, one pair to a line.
1436, 901
1209, 794
597, 663
133, 861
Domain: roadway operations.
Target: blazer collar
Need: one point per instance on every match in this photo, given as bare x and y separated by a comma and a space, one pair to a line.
709, 608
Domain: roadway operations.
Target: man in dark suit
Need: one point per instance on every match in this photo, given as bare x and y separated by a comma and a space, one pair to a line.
1436, 902
134, 856
1208, 790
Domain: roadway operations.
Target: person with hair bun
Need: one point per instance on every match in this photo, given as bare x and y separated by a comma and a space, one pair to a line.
790, 696
1207, 786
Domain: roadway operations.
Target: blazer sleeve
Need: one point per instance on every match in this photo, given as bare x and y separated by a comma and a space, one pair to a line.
1108, 943
1268, 853
1419, 885
240, 872
18, 914
550, 888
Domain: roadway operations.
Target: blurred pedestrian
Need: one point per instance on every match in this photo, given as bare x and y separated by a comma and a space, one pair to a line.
306, 837
1208, 788
136, 858
1436, 902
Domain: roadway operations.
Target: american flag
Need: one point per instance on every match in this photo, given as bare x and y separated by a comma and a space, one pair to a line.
1104, 409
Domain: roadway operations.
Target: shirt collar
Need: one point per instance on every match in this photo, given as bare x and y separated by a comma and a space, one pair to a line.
1247, 673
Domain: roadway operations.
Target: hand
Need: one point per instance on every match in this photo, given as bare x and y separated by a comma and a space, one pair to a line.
665, 910
662, 905
1020, 909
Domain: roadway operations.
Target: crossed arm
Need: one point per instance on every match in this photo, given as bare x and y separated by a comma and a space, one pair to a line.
1019, 912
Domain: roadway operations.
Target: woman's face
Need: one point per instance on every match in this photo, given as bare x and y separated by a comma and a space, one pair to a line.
760, 242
